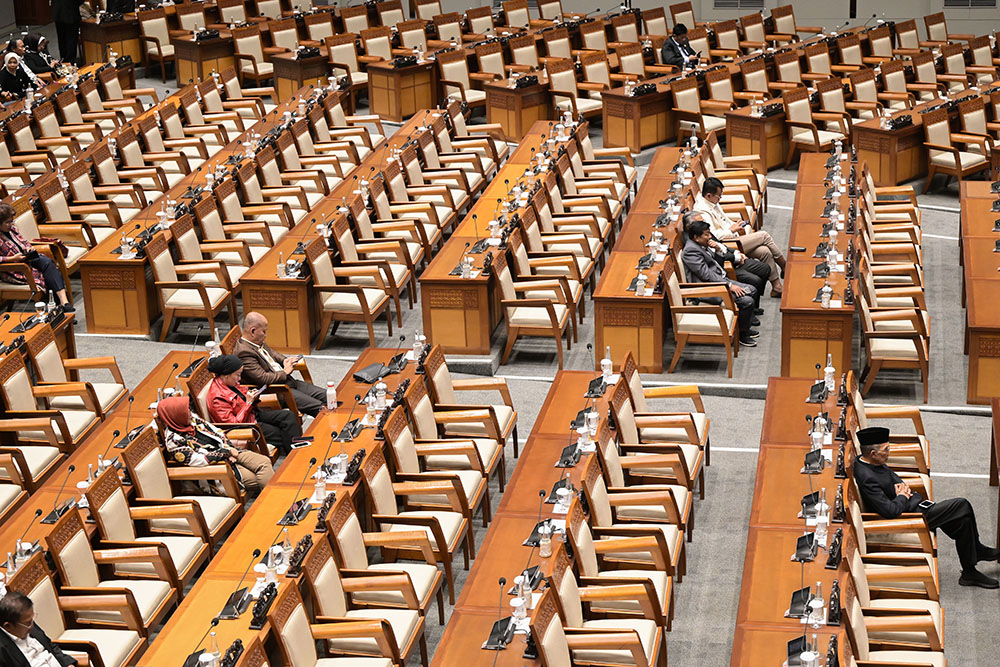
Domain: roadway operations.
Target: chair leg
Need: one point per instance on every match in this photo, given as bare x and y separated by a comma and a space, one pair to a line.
729, 358
324, 325
511, 339
440, 597
931, 171
791, 154
449, 575
559, 350
168, 319
371, 328
423, 649
872, 371
678, 348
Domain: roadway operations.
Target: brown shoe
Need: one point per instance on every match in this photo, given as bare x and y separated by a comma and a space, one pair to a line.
775, 294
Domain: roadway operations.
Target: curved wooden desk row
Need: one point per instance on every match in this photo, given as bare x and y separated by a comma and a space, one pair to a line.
980, 289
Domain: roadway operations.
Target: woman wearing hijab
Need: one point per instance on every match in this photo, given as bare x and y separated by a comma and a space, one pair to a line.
17, 46
13, 81
36, 54
191, 440
15, 248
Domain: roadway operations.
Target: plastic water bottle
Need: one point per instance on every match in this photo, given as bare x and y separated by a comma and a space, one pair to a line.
607, 367
51, 306
828, 374
213, 646
331, 395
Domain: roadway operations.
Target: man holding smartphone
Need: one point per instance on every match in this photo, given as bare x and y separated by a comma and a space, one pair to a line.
263, 366
885, 493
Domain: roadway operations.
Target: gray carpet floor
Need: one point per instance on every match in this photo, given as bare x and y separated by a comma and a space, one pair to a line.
707, 600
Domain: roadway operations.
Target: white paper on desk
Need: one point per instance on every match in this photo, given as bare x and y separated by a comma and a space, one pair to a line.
612, 379
840, 226
648, 291
535, 597
336, 478
660, 256
559, 509
409, 355
664, 247
474, 273
492, 241
558, 525
836, 303
827, 440
843, 157
828, 453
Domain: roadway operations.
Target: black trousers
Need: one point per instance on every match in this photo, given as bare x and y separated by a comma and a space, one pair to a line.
957, 519
49, 270
754, 272
309, 398
279, 427
68, 35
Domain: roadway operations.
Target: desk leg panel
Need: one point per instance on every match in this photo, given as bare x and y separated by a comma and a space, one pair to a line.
630, 328
118, 299
984, 367
460, 320
293, 316
807, 339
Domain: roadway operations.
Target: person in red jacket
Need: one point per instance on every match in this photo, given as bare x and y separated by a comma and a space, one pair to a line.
229, 402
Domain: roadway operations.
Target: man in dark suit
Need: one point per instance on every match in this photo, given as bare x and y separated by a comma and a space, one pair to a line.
677, 51
886, 494
22, 643
702, 265
262, 365
66, 14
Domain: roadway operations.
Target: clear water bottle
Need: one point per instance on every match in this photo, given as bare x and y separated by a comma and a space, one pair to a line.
51, 306
281, 265
607, 367
213, 646
331, 395
828, 374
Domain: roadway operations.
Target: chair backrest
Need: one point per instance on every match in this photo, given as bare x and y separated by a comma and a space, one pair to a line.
70, 548
400, 439
954, 58
355, 19
516, 12
754, 76
454, 67
390, 12
549, 10
319, 26
69, 107
246, 40
563, 582
593, 36
981, 51
78, 176
697, 40
894, 76
557, 43
880, 41
439, 377
720, 84
581, 539
270, 9
284, 34
162, 264
33, 579
727, 34
831, 95
937, 131
323, 578
562, 76
631, 60
607, 450
153, 23
786, 64
253, 655
624, 415
906, 33
146, 466
682, 12
480, 19
626, 28
190, 16
784, 20
972, 111
850, 49
232, 11
19, 129
449, 27
109, 507
186, 239
411, 34
490, 57
378, 42
937, 27
290, 624
655, 21
16, 384
45, 356
633, 382
523, 51
797, 105
595, 67
346, 534
428, 9
685, 93
864, 85
104, 164
548, 633
379, 483
753, 27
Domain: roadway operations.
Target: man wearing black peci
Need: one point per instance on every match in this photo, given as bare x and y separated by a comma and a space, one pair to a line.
677, 50
886, 494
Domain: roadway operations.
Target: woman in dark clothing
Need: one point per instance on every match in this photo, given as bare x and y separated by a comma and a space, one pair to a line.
15, 248
36, 54
13, 81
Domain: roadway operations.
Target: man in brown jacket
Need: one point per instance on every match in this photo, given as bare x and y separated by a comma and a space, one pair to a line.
262, 366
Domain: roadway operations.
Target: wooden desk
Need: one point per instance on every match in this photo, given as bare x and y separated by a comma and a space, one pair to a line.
893, 156
785, 414
756, 135
63, 332
397, 94
291, 74
779, 487
196, 60
625, 321
122, 36
517, 109
638, 122
758, 645
462, 641
981, 285
808, 331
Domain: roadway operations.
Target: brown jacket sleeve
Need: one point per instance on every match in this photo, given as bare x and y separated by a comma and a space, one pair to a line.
255, 372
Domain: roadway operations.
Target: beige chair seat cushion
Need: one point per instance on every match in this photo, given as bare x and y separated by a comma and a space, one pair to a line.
74, 254
107, 394
77, 421
825, 137
903, 325
472, 96
341, 302
703, 323
895, 348
574, 248
9, 493
892, 237
412, 247
166, 49
359, 77
931, 606
183, 552
532, 316
575, 288
602, 223
422, 576
215, 509
505, 418
908, 658
583, 105
450, 522
916, 584
582, 264
660, 581
644, 628
655, 512
691, 455
230, 258
471, 481
487, 448
675, 434
404, 624
967, 159
37, 458
115, 646
671, 534
263, 67
398, 275
149, 594
711, 123
189, 298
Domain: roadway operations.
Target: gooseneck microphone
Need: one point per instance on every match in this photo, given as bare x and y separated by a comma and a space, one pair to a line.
300, 247
38, 513
194, 346
54, 515
348, 429
159, 392
295, 516
392, 359
114, 436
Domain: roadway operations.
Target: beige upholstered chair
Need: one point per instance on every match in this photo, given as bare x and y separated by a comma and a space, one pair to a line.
27, 465
153, 481
235, 91
319, 27
190, 17
524, 52
401, 629
253, 235
268, 9
233, 11
12, 491
355, 19
945, 158
937, 31
80, 568
784, 22
186, 299
527, 267
377, 44
455, 79
909, 637
345, 300
344, 59
156, 39
275, 215
290, 199
251, 54
297, 637
51, 368
691, 113
566, 93
728, 40
390, 12
235, 261
116, 523
447, 530
803, 134
480, 20
683, 12
164, 169
428, 9
116, 647
350, 545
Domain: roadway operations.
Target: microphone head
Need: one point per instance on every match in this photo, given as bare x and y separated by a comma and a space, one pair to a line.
131, 399
312, 461
541, 493
38, 512
72, 468
176, 366
256, 552
502, 580
357, 397
402, 338
116, 433
590, 347
215, 621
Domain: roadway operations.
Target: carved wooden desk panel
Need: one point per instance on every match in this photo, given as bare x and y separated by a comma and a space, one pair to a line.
517, 109
196, 60
753, 135
397, 94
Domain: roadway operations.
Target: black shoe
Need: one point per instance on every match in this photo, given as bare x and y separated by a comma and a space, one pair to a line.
987, 553
755, 322
977, 578
69, 308
752, 333
747, 341
758, 311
